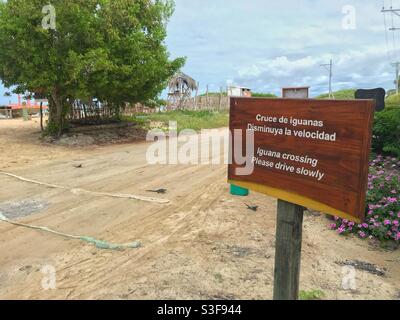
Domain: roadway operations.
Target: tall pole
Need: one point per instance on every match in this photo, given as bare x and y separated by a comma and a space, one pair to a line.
393, 12
330, 69
330, 79
397, 65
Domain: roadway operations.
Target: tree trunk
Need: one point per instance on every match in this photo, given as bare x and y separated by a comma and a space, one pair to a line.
56, 116
41, 116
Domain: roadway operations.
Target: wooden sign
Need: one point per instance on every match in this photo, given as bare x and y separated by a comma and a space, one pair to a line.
314, 153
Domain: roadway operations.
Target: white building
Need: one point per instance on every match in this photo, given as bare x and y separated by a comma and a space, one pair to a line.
236, 91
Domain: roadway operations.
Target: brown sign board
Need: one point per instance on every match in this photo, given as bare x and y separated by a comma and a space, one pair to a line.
314, 153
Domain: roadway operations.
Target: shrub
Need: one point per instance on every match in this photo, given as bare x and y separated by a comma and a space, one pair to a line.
386, 132
263, 95
393, 101
311, 295
383, 200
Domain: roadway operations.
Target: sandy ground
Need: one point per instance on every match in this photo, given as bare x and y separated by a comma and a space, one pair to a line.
204, 244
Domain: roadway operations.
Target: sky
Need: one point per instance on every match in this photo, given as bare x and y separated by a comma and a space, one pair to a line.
266, 45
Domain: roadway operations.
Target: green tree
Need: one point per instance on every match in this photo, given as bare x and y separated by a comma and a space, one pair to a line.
109, 49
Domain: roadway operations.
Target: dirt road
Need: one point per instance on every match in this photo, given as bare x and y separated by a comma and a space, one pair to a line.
204, 244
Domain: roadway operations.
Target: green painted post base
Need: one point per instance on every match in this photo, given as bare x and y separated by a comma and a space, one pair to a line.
25, 114
238, 191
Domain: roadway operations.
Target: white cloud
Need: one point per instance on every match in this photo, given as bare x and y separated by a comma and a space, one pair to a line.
269, 44
355, 68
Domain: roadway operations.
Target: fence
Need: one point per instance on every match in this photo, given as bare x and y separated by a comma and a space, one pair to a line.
90, 112
82, 112
214, 102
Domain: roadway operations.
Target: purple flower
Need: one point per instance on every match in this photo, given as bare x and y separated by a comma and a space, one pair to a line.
387, 222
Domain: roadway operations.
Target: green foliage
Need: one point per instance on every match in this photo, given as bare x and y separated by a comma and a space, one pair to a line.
386, 132
311, 295
263, 95
346, 94
383, 199
186, 119
393, 101
109, 49
218, 277
155, 103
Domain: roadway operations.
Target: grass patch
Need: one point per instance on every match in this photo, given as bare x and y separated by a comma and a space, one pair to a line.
218, 277
347, 94
263, 95
186, 119
393, 101
311, 295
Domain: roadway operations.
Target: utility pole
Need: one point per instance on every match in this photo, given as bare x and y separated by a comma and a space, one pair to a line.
396, 64
330, 65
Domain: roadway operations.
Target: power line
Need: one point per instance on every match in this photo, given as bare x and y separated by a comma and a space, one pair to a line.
397, 66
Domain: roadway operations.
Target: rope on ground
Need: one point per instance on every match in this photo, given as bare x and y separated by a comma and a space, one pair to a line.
79, 191
100, 244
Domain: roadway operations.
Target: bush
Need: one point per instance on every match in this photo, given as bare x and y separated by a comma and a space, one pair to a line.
392, 101
311, 295
263, 95
386, 132
383, 200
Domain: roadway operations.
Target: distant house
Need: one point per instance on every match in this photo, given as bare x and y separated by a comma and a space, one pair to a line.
296, 92
236, 91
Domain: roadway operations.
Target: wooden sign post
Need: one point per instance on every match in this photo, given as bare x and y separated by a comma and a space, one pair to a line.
307, 153
289, 227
